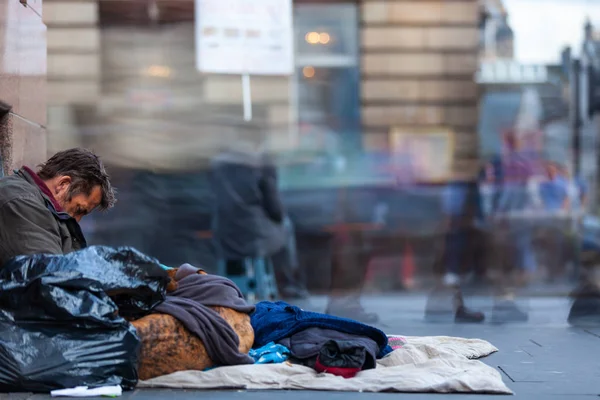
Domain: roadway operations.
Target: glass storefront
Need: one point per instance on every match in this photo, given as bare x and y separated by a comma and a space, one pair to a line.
327, 77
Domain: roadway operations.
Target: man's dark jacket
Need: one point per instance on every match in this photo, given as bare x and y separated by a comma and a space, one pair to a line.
31, 221
248, 215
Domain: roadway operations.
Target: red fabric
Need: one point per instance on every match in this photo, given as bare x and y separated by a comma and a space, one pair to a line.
343, 372
408, 263
44, 188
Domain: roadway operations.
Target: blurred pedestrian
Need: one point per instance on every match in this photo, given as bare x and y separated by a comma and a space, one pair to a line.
249, 219
460, 205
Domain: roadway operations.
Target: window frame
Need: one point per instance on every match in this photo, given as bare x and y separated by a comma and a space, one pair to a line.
321, 60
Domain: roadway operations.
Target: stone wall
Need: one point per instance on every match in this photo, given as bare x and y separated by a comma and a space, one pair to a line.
418, 61
22, 83
127, 87
419, 58
73, 67
156, 110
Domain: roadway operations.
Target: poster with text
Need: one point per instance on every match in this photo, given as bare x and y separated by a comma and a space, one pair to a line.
244, 37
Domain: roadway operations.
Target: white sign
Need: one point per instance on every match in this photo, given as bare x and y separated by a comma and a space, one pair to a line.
252, 37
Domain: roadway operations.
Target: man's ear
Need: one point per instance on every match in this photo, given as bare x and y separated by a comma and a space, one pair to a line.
62, 184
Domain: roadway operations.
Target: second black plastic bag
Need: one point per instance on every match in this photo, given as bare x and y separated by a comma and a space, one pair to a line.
59, 327
135, 281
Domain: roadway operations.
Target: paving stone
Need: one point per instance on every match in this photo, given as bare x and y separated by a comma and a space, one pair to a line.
544, 358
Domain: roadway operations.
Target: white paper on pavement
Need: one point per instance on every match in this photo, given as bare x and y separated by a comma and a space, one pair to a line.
84, 391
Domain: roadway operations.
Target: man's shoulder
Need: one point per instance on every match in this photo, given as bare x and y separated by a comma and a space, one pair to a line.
14, 188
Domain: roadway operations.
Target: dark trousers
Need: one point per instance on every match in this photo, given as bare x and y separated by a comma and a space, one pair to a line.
456, 242
288, 273
350, 257
466, 251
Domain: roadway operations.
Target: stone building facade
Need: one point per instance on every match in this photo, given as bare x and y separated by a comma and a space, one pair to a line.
22, 83
121, 77
418, 61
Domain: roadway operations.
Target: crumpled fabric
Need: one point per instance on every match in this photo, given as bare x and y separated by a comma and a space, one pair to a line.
273, 322
343, 354
342, 358
270, 353
190, 305
307, 344
396, 342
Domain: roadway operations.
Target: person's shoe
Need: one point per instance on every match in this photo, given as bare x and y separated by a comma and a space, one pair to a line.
585, 311
466, 316
508, 311
446, 305
353, 311
463, 315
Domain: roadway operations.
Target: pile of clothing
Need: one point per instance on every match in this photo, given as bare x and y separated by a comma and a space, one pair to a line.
109, 317
279, 332
326, 343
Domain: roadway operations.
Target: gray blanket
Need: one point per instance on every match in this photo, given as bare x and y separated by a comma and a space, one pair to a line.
190, 305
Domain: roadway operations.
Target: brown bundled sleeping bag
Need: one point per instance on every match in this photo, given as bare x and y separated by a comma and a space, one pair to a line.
168, 346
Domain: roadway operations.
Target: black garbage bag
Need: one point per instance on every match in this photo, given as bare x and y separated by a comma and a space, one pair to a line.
59, 326
135, 281
65, 332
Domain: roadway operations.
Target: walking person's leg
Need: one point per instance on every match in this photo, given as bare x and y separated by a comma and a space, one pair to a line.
454, 255
507, 255
480, 256
350, 259
287, 270
526, 261
585, 310
445, 303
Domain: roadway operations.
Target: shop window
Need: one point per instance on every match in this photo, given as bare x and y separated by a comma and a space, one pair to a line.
327, 76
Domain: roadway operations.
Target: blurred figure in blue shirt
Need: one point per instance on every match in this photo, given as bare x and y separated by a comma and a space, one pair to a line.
554, 189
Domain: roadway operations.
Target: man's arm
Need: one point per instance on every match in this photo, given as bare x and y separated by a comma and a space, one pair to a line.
27, 227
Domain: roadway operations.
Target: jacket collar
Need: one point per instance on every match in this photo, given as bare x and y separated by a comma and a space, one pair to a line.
35, 180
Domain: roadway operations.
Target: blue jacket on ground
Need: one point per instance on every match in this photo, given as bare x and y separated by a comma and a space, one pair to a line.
274, 321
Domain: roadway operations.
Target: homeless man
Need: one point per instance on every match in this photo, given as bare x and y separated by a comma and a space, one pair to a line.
40, 212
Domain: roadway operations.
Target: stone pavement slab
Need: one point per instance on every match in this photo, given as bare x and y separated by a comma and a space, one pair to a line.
541, 359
